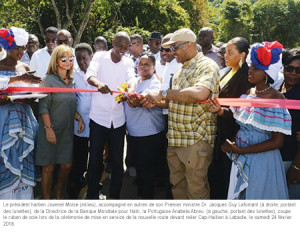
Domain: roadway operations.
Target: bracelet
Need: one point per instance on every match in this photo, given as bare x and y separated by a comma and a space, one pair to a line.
295, 167
48, 126
77, 118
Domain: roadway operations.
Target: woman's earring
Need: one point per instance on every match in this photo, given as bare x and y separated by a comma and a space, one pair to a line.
266, 82
241, 62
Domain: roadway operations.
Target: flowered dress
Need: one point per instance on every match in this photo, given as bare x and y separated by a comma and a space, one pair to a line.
258, 175
18, 128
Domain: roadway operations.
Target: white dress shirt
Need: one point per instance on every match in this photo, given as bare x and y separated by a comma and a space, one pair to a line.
170, 68
159, 68
39, 62
105, 111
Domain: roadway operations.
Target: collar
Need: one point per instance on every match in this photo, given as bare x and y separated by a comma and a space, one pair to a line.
213, 49
193, 60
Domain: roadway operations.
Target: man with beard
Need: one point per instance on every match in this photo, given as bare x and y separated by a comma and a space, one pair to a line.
107, 71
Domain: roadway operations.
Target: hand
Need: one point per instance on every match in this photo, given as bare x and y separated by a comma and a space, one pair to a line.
50, 136
213, 105
27, 78
230, 147
292, 176
103, 88
154, 96
80, 125
145, 103
133, 100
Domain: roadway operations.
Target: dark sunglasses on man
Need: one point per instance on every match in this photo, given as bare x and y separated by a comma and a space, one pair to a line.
292, 68
165, 49
173, 48
59, 42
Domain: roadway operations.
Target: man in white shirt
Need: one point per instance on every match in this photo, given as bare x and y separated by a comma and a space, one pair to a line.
32, 46
84, 55
172, 66
107, 71
40, 59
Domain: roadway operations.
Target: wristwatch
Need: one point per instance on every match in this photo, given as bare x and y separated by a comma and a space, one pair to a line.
164, 94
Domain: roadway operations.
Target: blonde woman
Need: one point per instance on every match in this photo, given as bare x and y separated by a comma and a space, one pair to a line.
56, 120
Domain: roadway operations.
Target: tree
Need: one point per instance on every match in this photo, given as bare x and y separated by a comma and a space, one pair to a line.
143, 16
198, 11
35, 16
76, 14
235, 19
277, 20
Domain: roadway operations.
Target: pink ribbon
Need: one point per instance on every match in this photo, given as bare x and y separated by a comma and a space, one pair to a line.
237, 102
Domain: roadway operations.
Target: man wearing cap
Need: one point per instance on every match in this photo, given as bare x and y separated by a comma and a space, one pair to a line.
154, 44
191, 127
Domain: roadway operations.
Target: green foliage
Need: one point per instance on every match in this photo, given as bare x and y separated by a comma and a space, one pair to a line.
235, 19
198, 12
110, 34
257, 20
277, 20
144, 16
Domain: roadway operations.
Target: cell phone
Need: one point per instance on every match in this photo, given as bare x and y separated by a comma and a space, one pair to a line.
228, 141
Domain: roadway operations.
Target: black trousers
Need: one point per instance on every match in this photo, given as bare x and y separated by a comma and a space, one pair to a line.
79, 166
147, 151
98, 137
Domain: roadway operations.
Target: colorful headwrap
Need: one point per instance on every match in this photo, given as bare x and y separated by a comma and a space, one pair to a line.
7, 40
12, 37
267, 56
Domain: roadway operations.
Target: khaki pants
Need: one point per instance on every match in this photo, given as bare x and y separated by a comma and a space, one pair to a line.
188, 170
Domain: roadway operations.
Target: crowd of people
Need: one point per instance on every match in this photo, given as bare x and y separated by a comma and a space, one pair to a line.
177, 133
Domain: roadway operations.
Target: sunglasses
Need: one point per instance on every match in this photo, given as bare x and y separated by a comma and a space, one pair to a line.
64, 59
67, 41
173, 48
292, 68
165, 49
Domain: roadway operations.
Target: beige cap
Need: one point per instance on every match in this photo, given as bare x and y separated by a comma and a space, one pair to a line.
181, 35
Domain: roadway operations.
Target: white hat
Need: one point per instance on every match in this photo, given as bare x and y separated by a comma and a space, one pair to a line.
181, 35
20, 36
